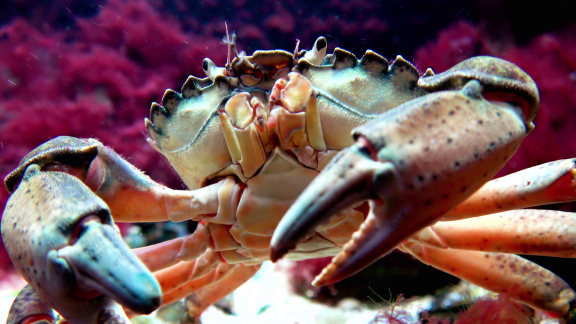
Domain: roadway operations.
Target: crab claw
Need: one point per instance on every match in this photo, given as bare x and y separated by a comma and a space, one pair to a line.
414, 164
101, 262
62, 239
347, 180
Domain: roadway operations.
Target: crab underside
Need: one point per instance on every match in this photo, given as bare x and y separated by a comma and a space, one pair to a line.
264, 145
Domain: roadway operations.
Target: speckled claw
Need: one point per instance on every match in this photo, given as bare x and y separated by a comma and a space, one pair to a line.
414, 164
62, 239
502, 81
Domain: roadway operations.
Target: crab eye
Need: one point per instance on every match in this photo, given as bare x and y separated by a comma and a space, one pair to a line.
321, 44
205, 65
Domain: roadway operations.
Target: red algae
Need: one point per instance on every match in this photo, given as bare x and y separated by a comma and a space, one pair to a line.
95, 80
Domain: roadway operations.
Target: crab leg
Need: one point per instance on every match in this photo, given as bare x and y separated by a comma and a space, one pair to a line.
183, 272
524, 231
548, 183
411, 174
197, 302
130, 195
163, 255
29, 308
523, 280
186, 287
192, 286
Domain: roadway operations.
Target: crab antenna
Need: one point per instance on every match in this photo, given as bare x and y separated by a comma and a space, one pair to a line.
231, 42
296, 49
297, 45
227, 42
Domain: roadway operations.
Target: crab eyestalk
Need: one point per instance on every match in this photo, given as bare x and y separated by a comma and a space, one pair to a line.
414, 164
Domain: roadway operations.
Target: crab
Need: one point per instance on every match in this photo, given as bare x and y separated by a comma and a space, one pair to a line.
268, 135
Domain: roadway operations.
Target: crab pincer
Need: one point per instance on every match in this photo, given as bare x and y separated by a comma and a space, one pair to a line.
416, 162
62, 239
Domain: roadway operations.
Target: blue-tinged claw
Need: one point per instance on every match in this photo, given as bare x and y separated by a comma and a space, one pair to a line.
414, 164
62, 239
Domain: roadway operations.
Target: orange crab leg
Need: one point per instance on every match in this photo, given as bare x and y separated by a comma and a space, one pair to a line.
166, 254
131, 195
183, 272
523, 280
197, 302
529, 231
226, 278
548, 183
134, 197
